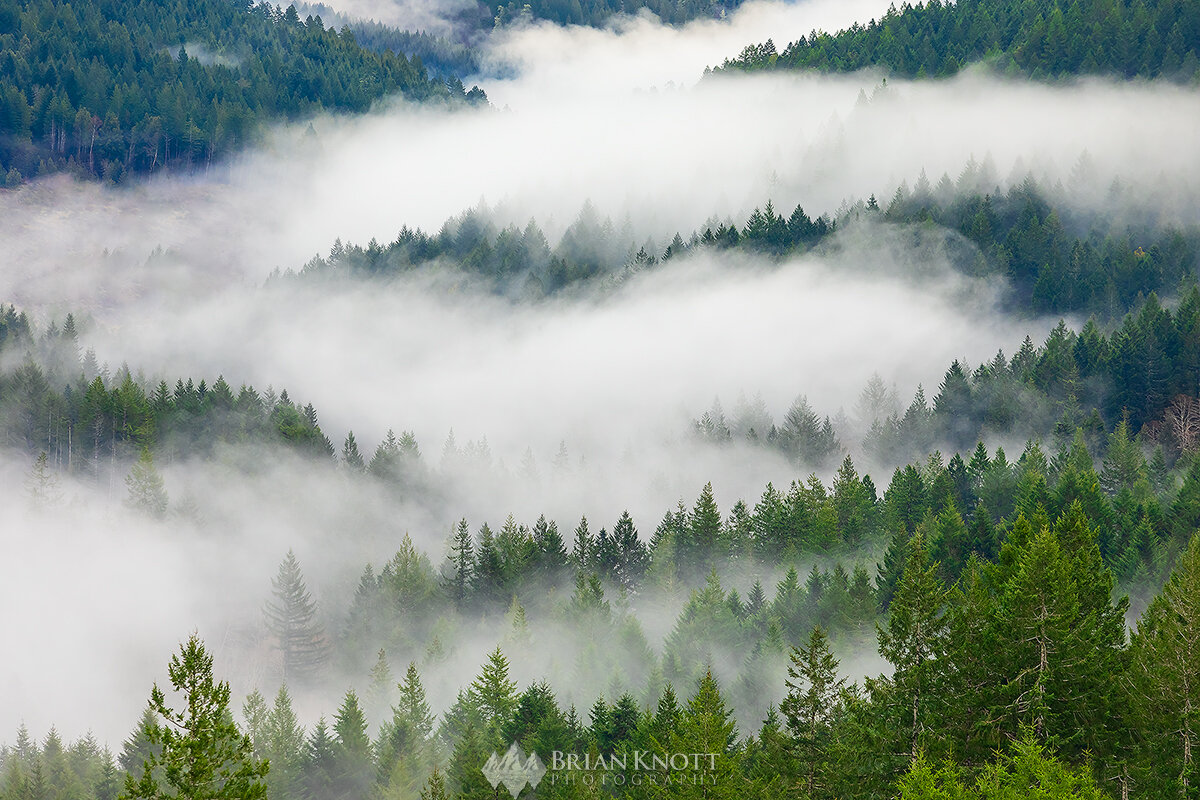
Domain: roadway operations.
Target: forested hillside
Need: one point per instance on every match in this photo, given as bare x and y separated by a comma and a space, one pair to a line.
1054, 259
596, 12
107, 89
449, 56
1142, 38
763, 437
989, 585
1000, 584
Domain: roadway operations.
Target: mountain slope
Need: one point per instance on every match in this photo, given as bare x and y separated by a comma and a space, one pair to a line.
104, 87
1142, 38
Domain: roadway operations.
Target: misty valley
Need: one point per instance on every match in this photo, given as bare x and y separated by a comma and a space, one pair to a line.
668, 414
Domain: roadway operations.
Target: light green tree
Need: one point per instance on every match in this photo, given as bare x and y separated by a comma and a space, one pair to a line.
203, 754
147, 492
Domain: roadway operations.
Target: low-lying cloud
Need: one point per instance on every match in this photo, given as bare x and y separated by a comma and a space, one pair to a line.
616, 116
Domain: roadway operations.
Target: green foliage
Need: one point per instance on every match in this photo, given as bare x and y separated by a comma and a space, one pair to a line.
107, 88
913, 640
1026, 771
1146, 39
809, 708
354, 761
493, 696
203, 755
405, 752
1165, 680
284, 748
147, 491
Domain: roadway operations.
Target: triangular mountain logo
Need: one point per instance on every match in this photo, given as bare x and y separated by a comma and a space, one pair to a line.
514, 770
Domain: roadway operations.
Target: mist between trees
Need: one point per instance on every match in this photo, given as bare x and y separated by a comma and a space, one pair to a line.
1002, 642
992, 581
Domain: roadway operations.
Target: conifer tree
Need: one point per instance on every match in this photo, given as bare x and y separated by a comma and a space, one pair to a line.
254, 712
550, 552
43, 485
1044, 646
813, 688
494, 696
292, 618
351, 457
139, 748
1124, 464
462, 565
465, 770
319, 763
581, 553
489, 584
913, 639
203, 754
435, 788
1165, 678
353, 757
706, 727
284, 748
699, 552
404, 750
147, 492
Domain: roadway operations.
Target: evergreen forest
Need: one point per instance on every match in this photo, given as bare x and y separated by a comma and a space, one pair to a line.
975, 575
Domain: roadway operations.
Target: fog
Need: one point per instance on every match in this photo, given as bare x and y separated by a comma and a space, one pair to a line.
619, 117
437, 17
115, 592
602, 374
591, 115
691, 52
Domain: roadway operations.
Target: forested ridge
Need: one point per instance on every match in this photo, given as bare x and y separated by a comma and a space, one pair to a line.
1053, 258
987, 590
597, 12
447, 56
1015, 565
994, 599
1042, 40
106, 89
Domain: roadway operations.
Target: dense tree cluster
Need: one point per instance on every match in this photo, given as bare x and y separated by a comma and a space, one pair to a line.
87, 420
1054, 260
105, 88
597, 12
1016, 677
1142, 38
468, 22
443, 56
1143, 378
994, 594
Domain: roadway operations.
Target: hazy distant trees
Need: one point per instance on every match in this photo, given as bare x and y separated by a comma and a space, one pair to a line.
292, 619
147, 492
43, 485
1054, 259
574, 12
